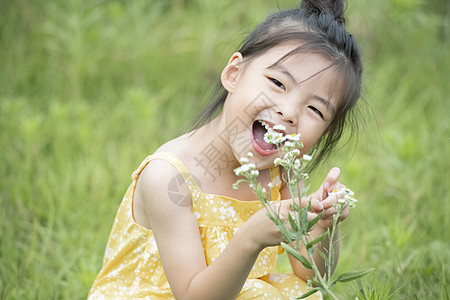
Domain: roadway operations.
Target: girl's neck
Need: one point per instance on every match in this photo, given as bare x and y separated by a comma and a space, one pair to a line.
206, 154
210, 143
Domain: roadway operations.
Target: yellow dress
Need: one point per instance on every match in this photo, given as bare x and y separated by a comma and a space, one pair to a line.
132, 267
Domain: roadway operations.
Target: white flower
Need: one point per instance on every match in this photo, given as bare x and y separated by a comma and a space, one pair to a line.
254, 172
351, 201
348, 192
296, 152
279, 127
293, 137
277, 161
279, 139
274, 137
243, 160
307, 157
334, 192
245, 168
289, 155
268, 137
289, 144
249, 154
352, 204
347, 198
238, 171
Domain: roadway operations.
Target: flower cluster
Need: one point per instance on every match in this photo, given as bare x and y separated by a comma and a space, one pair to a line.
246, 166
290, 144
248, 170
347, 198
275, 136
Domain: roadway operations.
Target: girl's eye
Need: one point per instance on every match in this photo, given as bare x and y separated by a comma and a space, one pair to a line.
316, 111
279, 84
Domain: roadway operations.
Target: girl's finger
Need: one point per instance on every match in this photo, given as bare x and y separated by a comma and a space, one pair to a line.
329, 213
316, 204
329, 182
330, 200
333, 197
311, 216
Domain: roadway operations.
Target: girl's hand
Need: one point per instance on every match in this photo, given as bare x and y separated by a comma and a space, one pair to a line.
263, 230
331, 183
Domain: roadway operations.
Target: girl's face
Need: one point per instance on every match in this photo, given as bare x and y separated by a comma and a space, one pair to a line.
296, 93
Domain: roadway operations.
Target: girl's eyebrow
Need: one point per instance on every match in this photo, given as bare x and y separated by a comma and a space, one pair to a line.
283, 70
327, 103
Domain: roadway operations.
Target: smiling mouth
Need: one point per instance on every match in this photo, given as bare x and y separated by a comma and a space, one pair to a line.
259, 128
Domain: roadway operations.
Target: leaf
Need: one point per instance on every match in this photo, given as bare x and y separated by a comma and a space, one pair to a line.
315, 282
349, 276
304, 217
325, 258
289, 235
331, 255
308, 294
296, 255
314, 221
292, 222
317, 240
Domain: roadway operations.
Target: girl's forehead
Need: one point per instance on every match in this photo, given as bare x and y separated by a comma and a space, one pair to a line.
298, 62
303, 67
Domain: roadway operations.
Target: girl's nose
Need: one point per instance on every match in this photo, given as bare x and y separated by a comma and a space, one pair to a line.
286, 117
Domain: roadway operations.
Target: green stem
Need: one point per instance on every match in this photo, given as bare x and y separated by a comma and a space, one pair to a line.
323, 283
331, 257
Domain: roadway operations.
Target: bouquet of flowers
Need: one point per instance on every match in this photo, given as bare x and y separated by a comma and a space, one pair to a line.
297, 226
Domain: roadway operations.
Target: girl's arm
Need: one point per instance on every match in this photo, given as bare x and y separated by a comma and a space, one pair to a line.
321, 195
178, 239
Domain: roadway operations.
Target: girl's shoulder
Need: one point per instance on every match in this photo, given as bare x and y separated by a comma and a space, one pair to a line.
179, 147
160, 186
165, 165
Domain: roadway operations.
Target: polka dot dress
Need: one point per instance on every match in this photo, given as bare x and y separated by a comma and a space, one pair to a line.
132, 267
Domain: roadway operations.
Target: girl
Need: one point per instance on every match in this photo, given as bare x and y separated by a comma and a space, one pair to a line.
202, 239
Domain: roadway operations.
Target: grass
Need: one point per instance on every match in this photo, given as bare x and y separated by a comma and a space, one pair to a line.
88, 89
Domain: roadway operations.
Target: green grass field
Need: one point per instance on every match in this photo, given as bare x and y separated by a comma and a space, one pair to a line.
89, 88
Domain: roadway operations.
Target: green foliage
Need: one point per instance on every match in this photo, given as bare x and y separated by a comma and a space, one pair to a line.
89, 88
349, 276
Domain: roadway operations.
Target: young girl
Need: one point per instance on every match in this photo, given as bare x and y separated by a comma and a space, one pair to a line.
202, 239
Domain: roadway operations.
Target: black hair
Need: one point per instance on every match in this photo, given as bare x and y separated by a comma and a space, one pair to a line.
319, 26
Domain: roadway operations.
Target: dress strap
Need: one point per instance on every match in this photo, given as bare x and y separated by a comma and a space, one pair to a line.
174, 161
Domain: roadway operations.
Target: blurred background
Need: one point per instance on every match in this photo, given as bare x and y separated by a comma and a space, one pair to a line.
89, 88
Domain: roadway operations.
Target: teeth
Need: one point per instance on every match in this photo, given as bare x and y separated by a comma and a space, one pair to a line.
265, 125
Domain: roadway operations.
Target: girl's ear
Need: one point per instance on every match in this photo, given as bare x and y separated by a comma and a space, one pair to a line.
231, 72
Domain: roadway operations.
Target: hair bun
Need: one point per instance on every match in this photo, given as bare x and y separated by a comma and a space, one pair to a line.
334, 8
